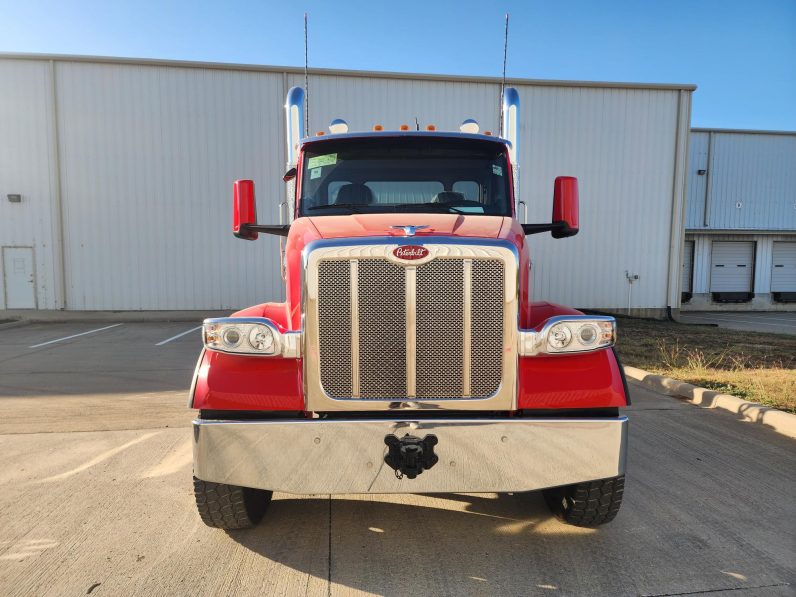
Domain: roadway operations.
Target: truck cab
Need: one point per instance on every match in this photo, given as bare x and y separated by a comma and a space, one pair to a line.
407, 356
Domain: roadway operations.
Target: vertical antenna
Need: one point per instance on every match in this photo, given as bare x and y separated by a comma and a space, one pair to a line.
503, 80
307, 82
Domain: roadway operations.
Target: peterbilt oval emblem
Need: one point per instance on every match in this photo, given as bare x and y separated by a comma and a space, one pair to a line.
410, 252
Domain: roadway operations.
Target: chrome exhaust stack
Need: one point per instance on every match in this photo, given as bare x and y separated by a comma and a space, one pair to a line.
294, 120
511, 122
511, 133
294, 117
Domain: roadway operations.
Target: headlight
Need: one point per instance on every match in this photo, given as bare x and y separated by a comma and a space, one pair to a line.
568, 334
251, 336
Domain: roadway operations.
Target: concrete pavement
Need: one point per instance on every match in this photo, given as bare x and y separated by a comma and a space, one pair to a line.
95, 471
778, 322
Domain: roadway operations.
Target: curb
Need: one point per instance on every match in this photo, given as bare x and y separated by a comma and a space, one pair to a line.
752, 412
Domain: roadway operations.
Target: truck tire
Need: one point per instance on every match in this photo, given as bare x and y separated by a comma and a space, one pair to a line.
588, 504
229, 507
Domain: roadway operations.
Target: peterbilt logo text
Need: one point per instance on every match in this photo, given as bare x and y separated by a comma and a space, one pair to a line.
409, 252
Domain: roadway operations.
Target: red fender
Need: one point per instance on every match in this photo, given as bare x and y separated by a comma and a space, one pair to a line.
588, 380
238, 382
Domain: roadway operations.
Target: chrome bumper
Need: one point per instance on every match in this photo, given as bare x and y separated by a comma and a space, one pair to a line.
314, 456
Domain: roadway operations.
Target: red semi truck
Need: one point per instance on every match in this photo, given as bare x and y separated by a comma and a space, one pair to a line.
407, 356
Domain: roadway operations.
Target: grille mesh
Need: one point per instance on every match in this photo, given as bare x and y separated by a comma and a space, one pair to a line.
487, 327
440, 328
381, 302
334, 319
382, 329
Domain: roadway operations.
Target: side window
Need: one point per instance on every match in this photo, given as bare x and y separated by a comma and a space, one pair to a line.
469, 188
334, 188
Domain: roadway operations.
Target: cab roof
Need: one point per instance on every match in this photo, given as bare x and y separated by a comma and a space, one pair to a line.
387, 134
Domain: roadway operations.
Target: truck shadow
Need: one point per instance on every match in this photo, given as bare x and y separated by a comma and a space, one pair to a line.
420, 544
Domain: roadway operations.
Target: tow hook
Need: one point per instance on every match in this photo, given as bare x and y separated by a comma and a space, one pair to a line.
410, 455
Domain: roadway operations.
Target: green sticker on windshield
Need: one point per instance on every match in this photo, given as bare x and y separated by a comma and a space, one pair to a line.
319, 161
497, 170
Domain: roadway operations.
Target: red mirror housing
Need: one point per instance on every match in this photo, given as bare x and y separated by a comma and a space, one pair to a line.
565, 207
244, 209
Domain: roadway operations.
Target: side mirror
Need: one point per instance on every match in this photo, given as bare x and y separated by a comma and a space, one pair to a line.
565, 207
244, 210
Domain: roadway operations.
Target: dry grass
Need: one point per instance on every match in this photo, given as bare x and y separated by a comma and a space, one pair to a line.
756, 366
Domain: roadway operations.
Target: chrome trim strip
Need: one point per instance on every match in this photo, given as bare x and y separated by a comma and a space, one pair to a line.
467, 325
354, 327
192, 391
346, 456
411, 331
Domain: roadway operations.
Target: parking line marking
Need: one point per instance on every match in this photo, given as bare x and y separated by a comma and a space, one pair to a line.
107, 327
198, 327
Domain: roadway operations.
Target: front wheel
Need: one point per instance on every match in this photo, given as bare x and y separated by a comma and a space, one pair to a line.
229, 507
588, 504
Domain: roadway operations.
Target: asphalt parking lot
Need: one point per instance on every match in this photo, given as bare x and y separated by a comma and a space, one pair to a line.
777, 322
95, 471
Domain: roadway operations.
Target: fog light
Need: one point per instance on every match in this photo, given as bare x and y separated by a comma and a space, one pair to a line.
231, 337
588, 335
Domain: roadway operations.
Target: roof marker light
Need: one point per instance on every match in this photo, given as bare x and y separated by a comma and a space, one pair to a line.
404, 127
431, 127
338, 126
469, 126
320, 134
488, 133
378, 127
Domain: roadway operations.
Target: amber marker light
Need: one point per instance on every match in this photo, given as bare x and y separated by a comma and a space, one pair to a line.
431, 127
378, 127
488, 133
320, 134
404, 127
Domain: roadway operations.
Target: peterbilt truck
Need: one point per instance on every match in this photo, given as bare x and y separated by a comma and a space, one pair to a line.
407, 356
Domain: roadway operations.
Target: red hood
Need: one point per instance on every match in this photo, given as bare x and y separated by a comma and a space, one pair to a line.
359, 225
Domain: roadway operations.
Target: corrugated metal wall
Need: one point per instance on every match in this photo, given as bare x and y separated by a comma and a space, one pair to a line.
148, 153
27, 167
750, 182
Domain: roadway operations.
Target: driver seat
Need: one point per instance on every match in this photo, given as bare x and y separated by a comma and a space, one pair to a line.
448, 197
354, 194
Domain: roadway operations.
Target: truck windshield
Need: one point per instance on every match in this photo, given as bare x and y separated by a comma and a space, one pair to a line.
405, 174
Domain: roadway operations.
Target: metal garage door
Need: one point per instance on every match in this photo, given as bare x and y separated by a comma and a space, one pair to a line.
732, 269
688, 266
783, 271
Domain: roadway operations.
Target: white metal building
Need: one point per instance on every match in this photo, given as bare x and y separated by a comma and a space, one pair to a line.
740, 247
116, 177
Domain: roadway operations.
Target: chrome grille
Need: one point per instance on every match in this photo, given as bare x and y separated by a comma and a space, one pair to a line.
432, 331
382, 329
334, 318
487, 317
440, 328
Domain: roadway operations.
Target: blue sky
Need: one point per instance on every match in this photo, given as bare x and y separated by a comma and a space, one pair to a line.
741, 54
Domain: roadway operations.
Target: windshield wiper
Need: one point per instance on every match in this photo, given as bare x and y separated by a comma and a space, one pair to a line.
355, 207
432, 207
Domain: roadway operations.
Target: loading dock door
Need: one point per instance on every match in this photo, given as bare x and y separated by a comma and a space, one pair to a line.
732, 270
18, 277
688, 266
783, 271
